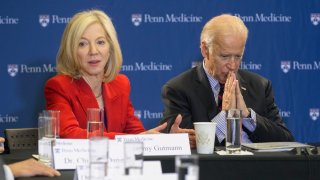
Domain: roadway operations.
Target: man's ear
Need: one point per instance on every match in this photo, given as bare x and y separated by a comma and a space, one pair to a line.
204, 50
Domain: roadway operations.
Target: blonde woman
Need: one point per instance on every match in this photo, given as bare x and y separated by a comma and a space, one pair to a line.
88, 65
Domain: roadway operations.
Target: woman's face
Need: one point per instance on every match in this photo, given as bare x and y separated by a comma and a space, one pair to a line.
93, 51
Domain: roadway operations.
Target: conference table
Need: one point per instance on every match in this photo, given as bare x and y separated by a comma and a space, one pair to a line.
261, 165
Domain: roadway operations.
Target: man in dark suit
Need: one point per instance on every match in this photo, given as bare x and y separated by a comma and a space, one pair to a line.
205, 92
2, 174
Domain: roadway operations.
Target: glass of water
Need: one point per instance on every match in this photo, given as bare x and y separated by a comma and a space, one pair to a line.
234, 129
48, 131
187, 167
133, 158
95, 125
98, 157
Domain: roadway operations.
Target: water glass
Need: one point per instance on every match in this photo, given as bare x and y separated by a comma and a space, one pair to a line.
133, 158
187, 167
98, 157
1, 147
53, 126
234, 128
95, 125
48, 131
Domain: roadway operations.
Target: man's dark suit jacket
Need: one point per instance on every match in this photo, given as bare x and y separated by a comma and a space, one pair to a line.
190, 95
2, 174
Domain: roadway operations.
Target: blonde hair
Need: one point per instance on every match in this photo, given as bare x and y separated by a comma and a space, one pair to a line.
67, 60
220, 26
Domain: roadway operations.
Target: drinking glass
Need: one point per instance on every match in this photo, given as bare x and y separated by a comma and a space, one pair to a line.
95, 125
234, 128
48, 131
98, 157
54, 125
1, 147
187, 167
133, 158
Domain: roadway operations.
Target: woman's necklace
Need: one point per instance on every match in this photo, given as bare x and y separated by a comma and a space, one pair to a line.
91, 86
100, 93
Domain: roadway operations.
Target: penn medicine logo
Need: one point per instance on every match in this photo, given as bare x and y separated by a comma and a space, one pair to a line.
315, 18
149, 66
285, 66
137, 113
13, 69
8, 118
8, 20
147, 114
265, 18
136, 19
314, 113
44, 20
195, 63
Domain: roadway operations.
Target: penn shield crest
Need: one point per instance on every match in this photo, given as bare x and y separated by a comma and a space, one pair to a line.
314, 113
285, 66
13, 69
136, 19
137, 113
315, 18
44, 20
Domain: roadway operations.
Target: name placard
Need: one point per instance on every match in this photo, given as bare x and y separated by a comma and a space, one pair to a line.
160, 144
82, 172
116, 158
74, 154
68, 153
116, 161
151, 170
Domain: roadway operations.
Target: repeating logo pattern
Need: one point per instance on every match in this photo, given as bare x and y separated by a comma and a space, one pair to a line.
285, 66
148, 66
8, 118
44, 20
174, 18
315, 18
7, 20
314, 113
195, 63
265, 18
13, 69
137, 113
299, 58
136, 19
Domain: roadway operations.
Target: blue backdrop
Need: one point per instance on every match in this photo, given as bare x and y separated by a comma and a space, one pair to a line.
159, 40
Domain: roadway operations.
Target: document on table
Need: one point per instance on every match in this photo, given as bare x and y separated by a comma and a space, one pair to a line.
224, 153
274, 146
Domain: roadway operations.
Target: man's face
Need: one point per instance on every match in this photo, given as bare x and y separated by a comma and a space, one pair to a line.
225, 56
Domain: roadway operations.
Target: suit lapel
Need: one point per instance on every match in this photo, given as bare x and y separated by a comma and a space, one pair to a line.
243, 86
111, 98
85, 96
205, 93
112, 104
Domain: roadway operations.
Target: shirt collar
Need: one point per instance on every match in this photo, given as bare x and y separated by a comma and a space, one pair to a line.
214, 83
